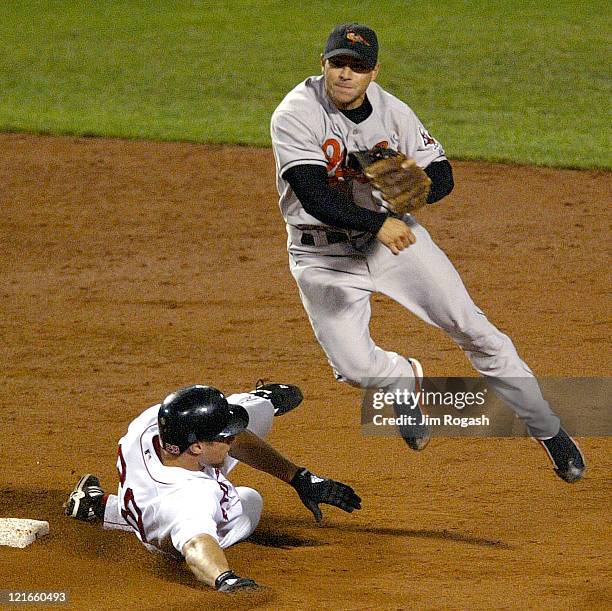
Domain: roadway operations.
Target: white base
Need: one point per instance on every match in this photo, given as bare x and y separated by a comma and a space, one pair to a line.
17, 532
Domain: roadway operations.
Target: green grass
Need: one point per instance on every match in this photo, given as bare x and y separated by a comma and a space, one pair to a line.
522, 81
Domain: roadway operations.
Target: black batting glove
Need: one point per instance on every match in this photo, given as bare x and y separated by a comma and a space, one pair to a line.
230, 583
313, 490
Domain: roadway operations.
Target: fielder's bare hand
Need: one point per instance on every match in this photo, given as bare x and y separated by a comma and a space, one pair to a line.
313, 490
395, 235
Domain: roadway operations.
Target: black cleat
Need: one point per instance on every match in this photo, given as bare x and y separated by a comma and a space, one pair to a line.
565, 455
284, 397
86, 502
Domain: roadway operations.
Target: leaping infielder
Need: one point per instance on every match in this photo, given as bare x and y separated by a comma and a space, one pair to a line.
352, 163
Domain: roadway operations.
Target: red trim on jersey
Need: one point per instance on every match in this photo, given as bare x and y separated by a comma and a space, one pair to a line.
144, 460
225, 498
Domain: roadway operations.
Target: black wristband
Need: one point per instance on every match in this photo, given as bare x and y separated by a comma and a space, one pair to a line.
298, 477
221, 579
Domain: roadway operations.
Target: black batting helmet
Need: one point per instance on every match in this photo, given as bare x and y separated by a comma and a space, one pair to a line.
198, 413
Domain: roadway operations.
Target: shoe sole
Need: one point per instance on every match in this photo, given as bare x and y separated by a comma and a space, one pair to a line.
280, 411
418, 443
417, 368
573, 473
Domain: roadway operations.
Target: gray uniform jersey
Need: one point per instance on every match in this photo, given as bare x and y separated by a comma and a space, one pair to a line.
307, 128
336, 277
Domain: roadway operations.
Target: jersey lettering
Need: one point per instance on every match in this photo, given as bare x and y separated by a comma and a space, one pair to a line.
225, 498
121, 465
337, 166
334, 154
132, 515
130, 511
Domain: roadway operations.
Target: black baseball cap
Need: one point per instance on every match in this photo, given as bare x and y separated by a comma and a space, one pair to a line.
355, 40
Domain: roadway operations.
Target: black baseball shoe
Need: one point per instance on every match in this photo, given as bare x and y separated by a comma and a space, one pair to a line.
417, 436
284, 397
565, 455
86, 501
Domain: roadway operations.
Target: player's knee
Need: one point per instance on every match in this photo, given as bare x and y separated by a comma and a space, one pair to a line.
496, 356
495, 343
252, 504
487, 344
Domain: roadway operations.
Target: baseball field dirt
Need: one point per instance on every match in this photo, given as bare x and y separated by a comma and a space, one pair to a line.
130, 269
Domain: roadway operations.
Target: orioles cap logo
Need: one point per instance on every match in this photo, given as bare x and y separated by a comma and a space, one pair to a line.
354, 38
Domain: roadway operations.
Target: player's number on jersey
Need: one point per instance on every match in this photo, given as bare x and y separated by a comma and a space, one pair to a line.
130, 511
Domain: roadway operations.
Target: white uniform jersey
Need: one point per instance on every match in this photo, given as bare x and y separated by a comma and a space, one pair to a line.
307, 128
167, 506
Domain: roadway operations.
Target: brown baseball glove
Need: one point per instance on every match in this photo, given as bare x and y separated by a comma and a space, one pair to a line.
401, 182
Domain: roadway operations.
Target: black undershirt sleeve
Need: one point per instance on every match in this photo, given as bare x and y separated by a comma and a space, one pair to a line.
441, 175
332, 207
309, 183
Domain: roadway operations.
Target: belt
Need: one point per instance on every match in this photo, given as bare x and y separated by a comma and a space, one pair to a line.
323, 237
320, 235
